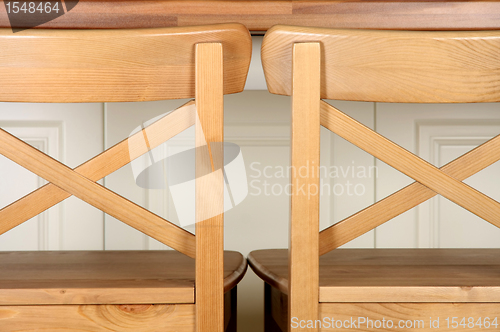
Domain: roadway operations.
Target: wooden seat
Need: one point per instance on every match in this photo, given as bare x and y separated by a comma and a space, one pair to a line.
362, 282
105, 277
306, 292
193, 289
414, 275
134, 288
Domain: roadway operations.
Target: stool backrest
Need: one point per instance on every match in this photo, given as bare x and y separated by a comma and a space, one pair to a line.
377, 66
115, 65
390, 66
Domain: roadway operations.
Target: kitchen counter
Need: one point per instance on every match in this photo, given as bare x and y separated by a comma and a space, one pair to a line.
260, 15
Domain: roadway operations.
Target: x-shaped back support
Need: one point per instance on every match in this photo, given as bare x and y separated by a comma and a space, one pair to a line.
81, 181
430, 180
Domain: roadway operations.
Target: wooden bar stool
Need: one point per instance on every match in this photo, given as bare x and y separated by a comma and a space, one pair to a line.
306, 292
191, 289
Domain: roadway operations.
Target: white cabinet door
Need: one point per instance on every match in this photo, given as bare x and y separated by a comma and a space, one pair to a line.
438, 134
70, 133
121, 120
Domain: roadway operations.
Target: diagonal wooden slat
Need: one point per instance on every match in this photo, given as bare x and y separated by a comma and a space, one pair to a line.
410, 164
401, 201
66, 181
100, 166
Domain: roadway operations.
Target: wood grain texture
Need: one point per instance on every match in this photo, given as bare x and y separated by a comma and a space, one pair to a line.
410, 164
391, 66
115, 65
209, 186
105, 277
100, 166
260, 15
394, 275
95, 194
406, 198
98, 318
419, 315
304, 216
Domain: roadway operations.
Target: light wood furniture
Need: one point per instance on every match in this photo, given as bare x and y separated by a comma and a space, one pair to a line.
123, 291
260, 15
378, 66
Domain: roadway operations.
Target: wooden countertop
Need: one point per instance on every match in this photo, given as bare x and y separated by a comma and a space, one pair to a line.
259, 15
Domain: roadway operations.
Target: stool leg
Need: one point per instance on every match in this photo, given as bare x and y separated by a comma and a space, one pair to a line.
270, 324
233, 310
